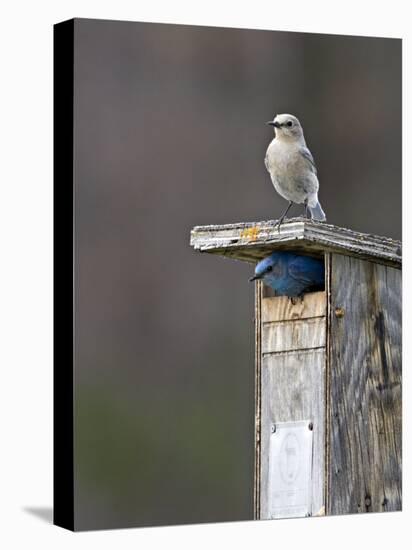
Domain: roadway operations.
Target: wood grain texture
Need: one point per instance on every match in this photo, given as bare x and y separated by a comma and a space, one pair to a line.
293, 335
365, 387
334, 358
251, 242
282, 308
328, 270
258, 394
292, 387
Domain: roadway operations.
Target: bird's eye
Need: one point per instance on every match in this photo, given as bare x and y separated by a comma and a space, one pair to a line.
289, 123
269, 268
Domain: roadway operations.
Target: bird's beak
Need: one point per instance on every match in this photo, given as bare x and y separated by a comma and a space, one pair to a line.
255, 278
273, 123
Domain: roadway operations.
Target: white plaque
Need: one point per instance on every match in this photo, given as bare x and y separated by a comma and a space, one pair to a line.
290, 469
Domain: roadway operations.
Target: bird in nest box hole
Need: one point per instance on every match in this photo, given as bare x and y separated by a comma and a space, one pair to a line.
290, 274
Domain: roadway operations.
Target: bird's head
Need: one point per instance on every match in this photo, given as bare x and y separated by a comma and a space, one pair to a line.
268, 267
286, 127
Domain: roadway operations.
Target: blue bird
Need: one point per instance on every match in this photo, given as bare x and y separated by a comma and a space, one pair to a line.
291, 274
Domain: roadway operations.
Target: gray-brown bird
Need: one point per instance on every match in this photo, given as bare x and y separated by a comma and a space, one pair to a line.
292, 168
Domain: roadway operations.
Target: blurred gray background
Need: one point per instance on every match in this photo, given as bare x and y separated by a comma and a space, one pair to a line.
170, 133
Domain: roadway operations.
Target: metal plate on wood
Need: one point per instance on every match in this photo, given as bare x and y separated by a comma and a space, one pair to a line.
290, 469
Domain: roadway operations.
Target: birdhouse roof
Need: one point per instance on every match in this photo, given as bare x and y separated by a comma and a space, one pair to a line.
253, 241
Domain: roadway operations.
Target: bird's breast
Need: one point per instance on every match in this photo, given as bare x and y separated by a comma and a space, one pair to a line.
281, 159
288, 173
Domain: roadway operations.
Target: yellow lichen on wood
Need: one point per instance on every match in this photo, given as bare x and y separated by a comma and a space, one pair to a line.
250, 233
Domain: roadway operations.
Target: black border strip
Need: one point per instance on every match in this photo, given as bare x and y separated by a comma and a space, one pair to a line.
63, 85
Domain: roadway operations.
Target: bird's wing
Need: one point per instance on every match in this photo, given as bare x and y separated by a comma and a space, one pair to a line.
267, 162
305, 269
306, 154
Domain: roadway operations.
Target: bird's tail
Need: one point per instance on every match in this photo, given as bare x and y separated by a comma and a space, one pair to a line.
317, 213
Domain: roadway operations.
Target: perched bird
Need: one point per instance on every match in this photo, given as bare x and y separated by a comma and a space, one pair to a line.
291, 274
292, 168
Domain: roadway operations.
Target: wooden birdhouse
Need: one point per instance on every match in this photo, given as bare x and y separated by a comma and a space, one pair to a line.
327, 371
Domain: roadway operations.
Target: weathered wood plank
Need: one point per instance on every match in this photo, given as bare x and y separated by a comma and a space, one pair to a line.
293, 389
291, 335
292, 384
253, 241
258, 394
282, 308
327, 438
365, 387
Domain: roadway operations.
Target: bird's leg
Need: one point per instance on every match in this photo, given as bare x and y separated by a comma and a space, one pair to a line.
306, 208
284, 215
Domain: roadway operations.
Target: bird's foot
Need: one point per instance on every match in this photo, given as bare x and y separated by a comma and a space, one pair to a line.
279, 223
296, 299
